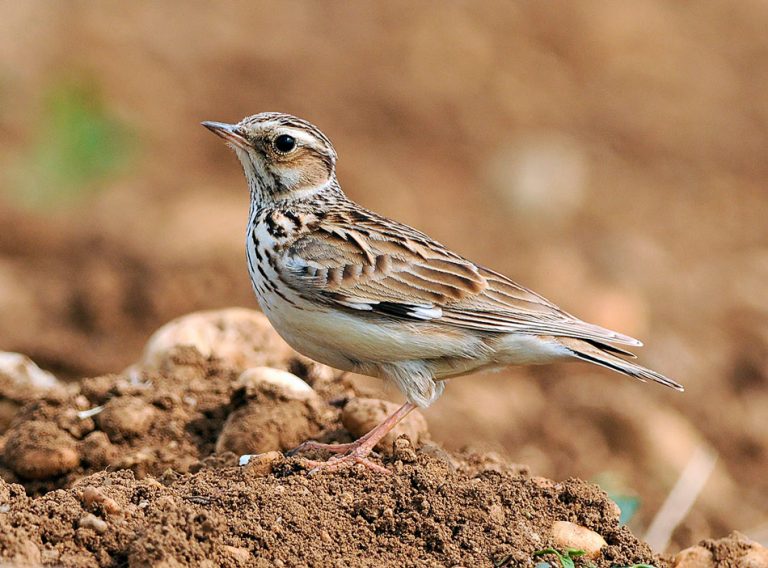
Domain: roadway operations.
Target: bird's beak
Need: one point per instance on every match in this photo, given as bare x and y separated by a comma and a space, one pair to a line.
228, 132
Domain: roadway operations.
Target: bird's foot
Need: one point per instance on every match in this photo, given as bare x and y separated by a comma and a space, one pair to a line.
357, 456
310, 445
356, 452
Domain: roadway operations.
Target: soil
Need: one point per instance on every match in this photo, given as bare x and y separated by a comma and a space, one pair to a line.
428, 513
141, 469
140, 481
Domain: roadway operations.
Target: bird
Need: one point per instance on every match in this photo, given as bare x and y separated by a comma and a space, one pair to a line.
363, 293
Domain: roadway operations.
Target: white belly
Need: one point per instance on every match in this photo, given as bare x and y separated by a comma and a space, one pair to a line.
347, 341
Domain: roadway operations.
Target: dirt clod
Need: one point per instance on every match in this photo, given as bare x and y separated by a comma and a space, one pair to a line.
733, 550
97, 451
694, 557
274, 410
125, 417
40, 450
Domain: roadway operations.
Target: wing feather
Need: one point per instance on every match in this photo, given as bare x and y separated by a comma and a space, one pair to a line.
378, 267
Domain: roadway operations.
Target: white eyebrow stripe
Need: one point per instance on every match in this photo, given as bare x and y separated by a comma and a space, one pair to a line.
300, 135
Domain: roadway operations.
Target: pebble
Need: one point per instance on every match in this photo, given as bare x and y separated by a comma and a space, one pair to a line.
260, 465
25, 373
21, 381
496, 514
91, 521
570, 535
238, 337
239, 555
267, 379
94, 496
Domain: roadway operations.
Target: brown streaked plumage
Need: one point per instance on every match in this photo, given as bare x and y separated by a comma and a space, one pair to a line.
364, 293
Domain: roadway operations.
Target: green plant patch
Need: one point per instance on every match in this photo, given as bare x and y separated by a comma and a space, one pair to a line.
78, 143
565, 558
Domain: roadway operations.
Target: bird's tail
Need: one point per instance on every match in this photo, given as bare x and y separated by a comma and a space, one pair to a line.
603, 355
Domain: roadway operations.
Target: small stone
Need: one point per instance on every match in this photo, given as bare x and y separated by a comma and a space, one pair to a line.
94, 496
694, 557
50, 556
570, 535
238, 337
261, 465
25, 373
82, 402
283, 383
542, 482
40, 450
361, 415
91, 521
240, 555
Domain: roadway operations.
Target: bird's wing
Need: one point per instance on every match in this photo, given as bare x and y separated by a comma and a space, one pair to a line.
378, 267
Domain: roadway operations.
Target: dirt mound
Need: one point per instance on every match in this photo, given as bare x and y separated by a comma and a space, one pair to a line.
436, 510
145, 463
733, 551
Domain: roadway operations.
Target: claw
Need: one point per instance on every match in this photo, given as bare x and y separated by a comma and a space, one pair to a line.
330, 448
358, 451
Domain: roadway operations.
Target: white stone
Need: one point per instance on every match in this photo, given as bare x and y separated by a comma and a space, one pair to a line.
24, 372
289, 384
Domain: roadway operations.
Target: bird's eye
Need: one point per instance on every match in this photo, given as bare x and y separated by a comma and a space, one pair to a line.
284, 143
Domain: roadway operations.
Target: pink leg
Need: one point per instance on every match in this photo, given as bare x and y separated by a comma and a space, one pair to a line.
330, 448
359, 450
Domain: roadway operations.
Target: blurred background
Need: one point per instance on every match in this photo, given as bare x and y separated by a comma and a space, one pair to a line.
610, 155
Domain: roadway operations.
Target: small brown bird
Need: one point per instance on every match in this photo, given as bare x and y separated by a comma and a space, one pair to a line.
363, 293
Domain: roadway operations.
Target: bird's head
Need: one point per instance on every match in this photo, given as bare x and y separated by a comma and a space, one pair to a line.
283, 157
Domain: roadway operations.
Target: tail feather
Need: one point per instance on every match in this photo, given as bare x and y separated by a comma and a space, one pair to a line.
611, 348
599, 355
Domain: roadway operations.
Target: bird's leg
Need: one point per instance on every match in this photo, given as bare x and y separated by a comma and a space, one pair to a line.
357, 451
330, 448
